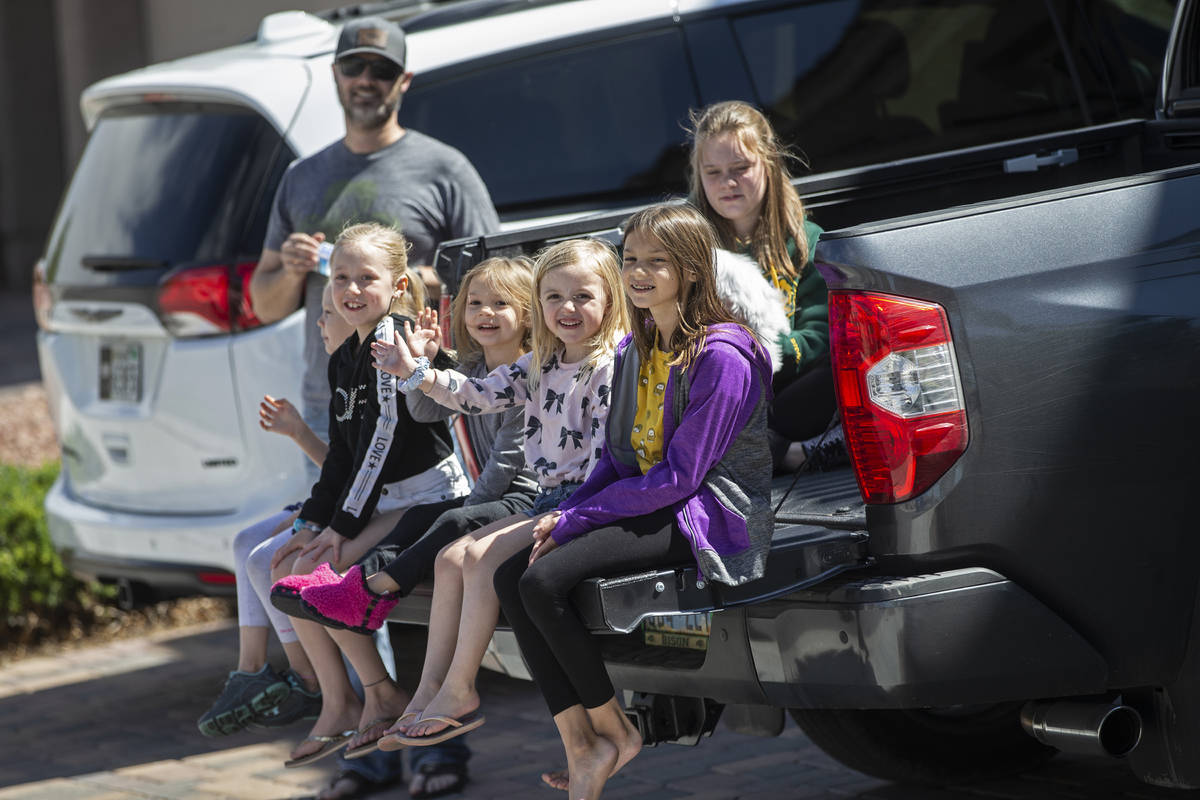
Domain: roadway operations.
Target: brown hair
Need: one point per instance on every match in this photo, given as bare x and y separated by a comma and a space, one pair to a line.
782, 210
512, 278
690, 242
602, 259
392, 245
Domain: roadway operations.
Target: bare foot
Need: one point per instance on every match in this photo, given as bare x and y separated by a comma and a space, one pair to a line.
378, 715
589, 768
630, 746
558, 779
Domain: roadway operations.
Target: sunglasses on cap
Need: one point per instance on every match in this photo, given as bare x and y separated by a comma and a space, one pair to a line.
380, 68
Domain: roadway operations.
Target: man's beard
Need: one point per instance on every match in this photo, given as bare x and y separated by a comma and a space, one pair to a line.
373, 117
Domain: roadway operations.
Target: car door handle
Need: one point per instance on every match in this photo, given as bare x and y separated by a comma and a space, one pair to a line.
1034, 162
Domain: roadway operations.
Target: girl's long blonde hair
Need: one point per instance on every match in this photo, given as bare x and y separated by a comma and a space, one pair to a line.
393, 248
782, 210
690, 242
601, 258
512, 278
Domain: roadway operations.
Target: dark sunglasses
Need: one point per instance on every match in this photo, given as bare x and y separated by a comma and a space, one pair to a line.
380, 69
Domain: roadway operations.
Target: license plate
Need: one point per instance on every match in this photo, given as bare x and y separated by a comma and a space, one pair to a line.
688, 631
121, 372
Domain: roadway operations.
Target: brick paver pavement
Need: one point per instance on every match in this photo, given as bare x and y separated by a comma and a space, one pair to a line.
117, 722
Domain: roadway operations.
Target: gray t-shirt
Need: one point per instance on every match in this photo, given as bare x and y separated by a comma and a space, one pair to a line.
425, 188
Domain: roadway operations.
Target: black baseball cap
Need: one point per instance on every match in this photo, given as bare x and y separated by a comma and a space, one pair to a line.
372, 35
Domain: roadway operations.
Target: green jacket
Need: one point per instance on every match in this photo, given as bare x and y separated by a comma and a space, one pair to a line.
808, 343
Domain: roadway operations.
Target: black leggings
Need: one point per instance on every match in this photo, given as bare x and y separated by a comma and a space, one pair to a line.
562, 655
408, 552
804, 406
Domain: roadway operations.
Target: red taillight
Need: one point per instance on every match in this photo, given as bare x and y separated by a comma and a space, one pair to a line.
201, 301
216, 578
899, 390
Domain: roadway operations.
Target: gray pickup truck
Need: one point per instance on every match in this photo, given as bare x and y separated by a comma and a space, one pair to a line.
1010, 566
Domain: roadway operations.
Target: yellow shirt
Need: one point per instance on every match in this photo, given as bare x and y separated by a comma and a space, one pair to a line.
648, 424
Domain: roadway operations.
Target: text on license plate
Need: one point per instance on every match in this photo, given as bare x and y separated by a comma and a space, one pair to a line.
121, 371
689, 631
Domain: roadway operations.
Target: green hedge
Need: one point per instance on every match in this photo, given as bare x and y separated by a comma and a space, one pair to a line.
37, 593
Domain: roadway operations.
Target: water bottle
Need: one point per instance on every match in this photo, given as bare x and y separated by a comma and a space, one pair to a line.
324, 251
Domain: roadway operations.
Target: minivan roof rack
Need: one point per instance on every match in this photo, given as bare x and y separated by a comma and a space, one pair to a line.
417, 15
383, 8
468, 11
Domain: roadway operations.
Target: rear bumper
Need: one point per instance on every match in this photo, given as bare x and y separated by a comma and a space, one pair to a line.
170, 553
953, 638
165, 578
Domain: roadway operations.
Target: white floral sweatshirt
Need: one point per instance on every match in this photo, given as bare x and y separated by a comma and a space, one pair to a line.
564, 417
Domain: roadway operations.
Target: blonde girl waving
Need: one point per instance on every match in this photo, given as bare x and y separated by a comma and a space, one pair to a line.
563, 383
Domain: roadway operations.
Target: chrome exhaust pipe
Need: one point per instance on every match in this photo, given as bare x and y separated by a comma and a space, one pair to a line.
1086, 727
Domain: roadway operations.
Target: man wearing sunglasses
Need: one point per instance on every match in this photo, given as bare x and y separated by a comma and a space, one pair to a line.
377, 172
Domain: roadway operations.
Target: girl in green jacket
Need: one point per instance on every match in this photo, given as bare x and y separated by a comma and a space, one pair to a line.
740, 181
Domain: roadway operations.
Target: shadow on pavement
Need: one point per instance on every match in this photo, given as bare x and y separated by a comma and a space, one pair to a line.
120, 719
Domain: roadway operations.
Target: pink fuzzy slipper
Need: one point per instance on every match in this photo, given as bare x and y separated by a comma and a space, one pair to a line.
348, 603
285, 592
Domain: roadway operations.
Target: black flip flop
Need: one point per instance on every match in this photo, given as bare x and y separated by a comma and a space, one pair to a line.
429, 769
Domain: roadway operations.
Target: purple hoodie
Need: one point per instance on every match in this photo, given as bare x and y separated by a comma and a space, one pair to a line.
716, 476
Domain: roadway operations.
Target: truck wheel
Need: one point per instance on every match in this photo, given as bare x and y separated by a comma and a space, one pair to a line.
931, 746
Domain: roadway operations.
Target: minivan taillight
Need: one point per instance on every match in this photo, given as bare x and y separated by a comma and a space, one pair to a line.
202, 301
899, 390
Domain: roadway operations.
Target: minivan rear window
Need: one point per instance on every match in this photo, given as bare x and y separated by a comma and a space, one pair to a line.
163, 185
588, 122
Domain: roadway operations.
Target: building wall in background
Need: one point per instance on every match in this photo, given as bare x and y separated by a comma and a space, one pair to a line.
50, 50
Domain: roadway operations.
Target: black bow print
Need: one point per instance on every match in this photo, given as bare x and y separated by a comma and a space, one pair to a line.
574, 436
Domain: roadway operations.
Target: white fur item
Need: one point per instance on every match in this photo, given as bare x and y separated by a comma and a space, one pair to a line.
753, 301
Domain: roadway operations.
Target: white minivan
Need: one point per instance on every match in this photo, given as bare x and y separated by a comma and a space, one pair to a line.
150, 352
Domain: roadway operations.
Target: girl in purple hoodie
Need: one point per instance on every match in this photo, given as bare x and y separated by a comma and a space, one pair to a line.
684, 474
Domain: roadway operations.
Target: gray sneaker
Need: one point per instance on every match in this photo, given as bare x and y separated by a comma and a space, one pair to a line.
299, 704
245, 696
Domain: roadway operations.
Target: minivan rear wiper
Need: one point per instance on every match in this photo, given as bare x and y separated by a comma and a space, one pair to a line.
119, 263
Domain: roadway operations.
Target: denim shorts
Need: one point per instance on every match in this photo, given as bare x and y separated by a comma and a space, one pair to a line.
548, 499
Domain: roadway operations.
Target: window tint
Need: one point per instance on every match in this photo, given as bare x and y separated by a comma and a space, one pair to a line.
584, 123
161, 186
887, 79
1130, 40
